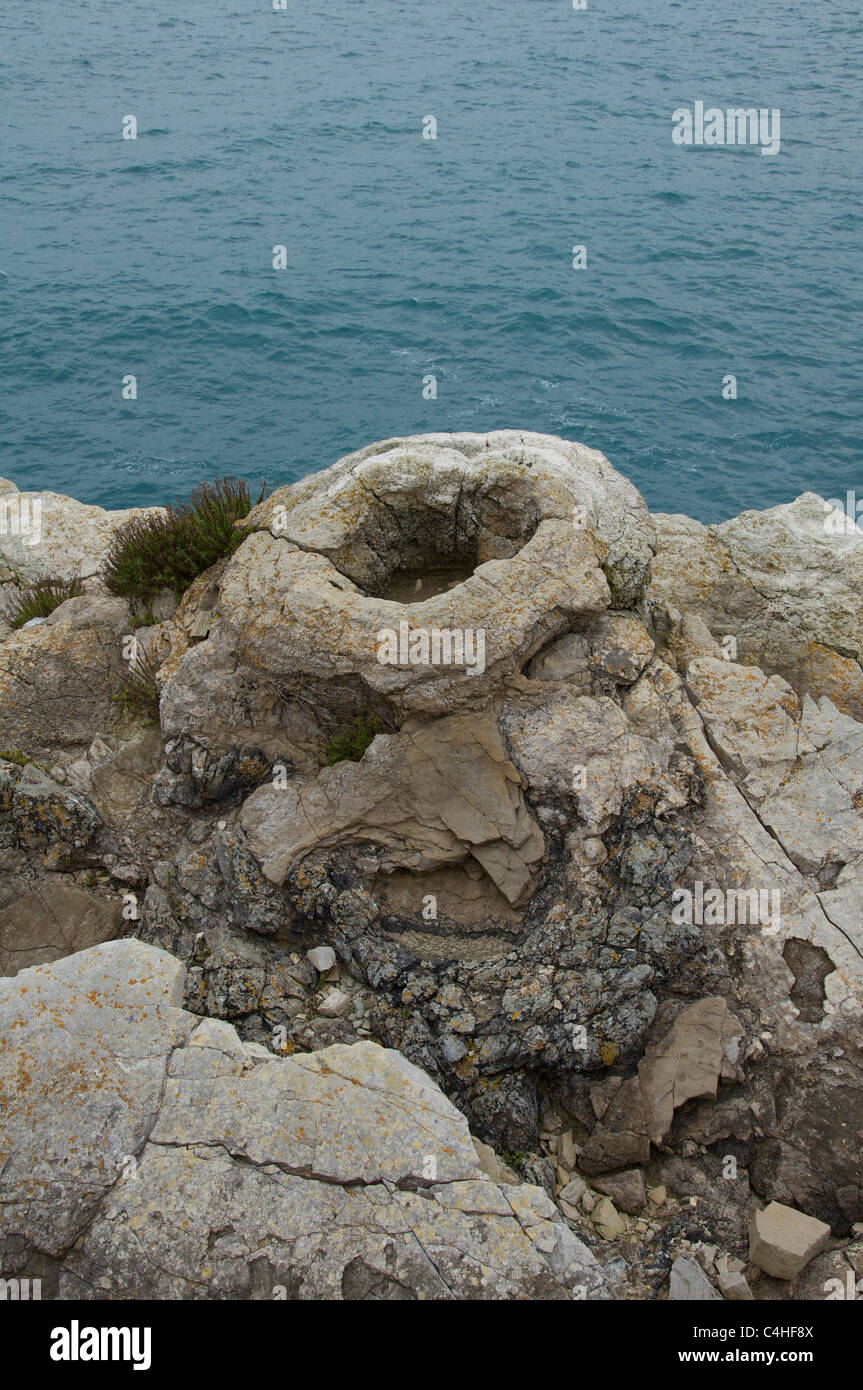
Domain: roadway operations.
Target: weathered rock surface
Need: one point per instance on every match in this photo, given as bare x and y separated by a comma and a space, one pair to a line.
786, 583
200, 1166
430, 796
689, 1282
46, 532
58, 681
52, 922
685, 1064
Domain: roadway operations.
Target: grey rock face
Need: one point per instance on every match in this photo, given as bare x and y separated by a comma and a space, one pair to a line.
58, 682
57, 535
205, 1167
41, 817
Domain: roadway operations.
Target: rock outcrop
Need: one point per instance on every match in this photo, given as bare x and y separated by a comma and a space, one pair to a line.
478, 786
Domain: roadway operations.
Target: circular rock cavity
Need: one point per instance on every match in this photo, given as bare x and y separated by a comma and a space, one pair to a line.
433, 568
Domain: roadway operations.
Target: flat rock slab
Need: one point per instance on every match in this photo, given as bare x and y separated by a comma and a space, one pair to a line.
53, 921
432, 795
155, 1155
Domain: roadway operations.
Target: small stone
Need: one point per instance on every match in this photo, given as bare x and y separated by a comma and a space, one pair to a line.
131, 874
566, 1151
334, 1004
323, 958
626, 1189
735, 1288
608, 1220
782, 1241
574, 1191
453, 1049
688, 1282
657, 1196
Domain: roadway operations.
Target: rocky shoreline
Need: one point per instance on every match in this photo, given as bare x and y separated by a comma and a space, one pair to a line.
552, 989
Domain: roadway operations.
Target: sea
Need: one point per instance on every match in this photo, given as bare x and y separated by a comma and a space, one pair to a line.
485, 222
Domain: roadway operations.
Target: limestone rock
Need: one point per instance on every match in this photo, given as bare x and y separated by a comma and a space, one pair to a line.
41, 817
58, 680
323, 958
734, 1287
585, 749
432, 795
782, 1241
685, 1064
291, 614
607, 1219
334, 1004
53, 921
486, 491
626, 1189
58, 535
203, 1164
620, 647
784, 583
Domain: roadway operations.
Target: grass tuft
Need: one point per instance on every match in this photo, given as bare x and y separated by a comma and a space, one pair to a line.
139, 691
41, 597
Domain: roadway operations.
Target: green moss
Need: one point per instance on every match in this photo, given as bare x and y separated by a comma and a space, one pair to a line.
149, 554
41, 597
352, 741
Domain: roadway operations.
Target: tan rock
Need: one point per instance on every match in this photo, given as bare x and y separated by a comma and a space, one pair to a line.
431, 795
607, 1219
782, 1241
53, 921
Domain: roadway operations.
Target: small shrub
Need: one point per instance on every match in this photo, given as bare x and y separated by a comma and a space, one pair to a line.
139, 691
351, 742
148, 554
40, 598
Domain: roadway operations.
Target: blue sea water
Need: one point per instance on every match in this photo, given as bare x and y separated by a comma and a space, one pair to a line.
409, 257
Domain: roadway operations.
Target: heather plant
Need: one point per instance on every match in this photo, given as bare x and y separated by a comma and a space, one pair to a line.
139, 692
167, 551
39, 598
